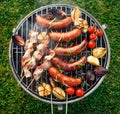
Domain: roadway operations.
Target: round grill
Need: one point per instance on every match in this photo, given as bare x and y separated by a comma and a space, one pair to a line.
16, 52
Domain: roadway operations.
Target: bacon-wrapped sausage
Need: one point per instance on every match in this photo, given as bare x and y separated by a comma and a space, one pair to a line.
69, 66
54, 25
72, 50
44, 66
62, 78
65, 36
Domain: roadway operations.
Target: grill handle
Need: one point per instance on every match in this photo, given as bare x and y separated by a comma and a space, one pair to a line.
14, 31
60, 107
104, 26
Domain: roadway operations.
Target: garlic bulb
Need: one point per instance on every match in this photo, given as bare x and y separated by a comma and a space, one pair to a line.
44, 89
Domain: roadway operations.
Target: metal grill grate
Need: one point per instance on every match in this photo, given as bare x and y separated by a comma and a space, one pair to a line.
16, 52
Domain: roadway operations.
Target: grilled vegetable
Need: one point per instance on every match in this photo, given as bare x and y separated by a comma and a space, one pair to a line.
18, 40
91, 29
44, 89
99, 52
91, 44
82, 24
85, 26
79, 92
93, 36
100, 71
75, 14
79, 22
57, 91
70, 90
99, 32
90, 77
52, 13
93, 60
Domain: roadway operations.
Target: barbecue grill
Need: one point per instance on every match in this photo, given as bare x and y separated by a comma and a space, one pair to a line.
16, 52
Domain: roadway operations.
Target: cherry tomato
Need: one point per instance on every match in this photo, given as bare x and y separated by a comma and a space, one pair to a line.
91, 44
99, 32
79, 92
91, 29
70, 90
93, 36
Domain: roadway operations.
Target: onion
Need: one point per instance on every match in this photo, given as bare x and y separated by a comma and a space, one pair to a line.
93, 60
100, 71
18, 40
99, 52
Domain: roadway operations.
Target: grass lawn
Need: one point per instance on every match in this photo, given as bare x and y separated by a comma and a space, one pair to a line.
104, 100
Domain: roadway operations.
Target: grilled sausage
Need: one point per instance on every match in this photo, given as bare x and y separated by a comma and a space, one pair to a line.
62, 78
72, 50
54, 25
65, 36
69, 66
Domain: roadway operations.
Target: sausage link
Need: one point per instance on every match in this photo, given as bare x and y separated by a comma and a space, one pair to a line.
65, 36
62, 78
69, 66
72, 50
54, 25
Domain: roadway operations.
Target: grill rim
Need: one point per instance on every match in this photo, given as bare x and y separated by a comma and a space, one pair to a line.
29, 91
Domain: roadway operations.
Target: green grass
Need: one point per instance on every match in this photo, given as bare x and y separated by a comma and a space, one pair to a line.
104, 100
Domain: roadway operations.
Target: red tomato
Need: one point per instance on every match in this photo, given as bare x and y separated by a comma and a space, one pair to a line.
70, 90
93, 36
99, 32
91, 44
79, 92
91, 29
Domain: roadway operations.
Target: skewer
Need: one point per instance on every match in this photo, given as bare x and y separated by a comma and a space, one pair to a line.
62, 36
21, 75
30, 83
52, 22
34, 28
21, 79
53, 49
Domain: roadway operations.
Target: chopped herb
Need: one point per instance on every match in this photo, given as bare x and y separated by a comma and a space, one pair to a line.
81, 64
69, 52
60, 69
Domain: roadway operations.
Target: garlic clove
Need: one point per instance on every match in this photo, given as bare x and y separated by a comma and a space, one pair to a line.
85, 22
84, 30
93, 60
76, 23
